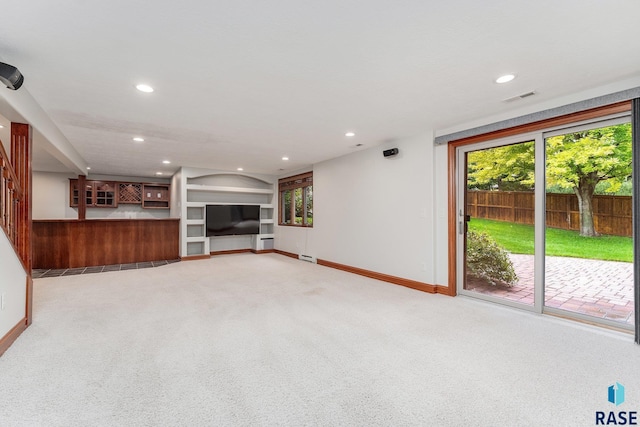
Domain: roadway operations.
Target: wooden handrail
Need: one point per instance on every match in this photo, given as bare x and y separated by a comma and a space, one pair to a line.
10, 194
8, 170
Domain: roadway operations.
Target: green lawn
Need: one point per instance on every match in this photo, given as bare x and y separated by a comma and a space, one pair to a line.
518, 239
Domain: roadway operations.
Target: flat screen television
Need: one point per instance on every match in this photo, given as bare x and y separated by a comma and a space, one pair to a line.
232, 220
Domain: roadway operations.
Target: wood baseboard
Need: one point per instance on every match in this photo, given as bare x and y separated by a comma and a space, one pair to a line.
289, 254
263, 251
230, 252
194, 257
12, 335
446, 290
413, 284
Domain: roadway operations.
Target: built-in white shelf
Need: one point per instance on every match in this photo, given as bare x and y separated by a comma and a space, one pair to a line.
222, 189
225, 190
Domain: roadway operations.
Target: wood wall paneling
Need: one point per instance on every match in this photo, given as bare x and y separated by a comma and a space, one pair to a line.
72, 243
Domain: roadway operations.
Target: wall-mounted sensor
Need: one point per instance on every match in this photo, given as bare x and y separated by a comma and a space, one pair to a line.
10, 76
390, 152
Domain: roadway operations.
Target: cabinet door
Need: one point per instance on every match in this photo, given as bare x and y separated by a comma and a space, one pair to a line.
88, 193
104, 194
75, 193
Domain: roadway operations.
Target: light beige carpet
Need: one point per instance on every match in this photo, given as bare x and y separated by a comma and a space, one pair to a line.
265, 340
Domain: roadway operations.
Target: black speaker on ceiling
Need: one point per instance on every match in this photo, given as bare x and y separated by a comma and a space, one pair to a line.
390, 152
11, 76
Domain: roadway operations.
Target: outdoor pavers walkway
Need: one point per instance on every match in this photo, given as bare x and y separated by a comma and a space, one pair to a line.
602, 289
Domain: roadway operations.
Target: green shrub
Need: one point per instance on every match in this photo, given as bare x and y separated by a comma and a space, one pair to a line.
488, 261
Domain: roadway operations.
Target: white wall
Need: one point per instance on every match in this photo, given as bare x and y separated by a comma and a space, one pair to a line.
441, 214
13, 288
373, 212
51, 196
51, 199
176, 195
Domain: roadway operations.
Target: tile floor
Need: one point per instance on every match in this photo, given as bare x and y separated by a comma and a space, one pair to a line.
602, 289
39, 273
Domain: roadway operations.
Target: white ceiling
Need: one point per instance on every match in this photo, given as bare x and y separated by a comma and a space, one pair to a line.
242, 83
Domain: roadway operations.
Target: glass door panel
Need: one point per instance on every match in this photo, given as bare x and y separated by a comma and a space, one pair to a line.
588, 234
497, 220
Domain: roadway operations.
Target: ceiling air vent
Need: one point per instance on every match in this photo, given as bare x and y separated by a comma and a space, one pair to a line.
521, 96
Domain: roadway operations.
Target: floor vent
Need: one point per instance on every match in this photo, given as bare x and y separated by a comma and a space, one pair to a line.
308, 258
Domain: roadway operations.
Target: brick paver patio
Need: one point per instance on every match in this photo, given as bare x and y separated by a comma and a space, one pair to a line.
602, 289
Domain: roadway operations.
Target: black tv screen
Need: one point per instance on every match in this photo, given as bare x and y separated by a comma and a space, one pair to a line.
231, 220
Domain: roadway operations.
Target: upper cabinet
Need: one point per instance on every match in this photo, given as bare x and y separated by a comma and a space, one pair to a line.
98, 194
104, 194
155, 196
108, 194
130, 192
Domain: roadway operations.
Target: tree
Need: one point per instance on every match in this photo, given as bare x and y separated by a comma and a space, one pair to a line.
576, 161
581, 160
505, 168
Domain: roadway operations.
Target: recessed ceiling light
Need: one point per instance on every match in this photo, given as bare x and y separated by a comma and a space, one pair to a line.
350, 134
138, 139
158, 173
1, 127
285, 158
144, 88
166, 162
506, 78
240, 169
88, 167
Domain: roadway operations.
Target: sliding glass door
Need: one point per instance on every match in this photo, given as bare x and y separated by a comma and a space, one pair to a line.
496, 220
545, 221
589, 225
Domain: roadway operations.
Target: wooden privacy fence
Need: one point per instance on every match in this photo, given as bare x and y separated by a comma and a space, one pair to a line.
611, 214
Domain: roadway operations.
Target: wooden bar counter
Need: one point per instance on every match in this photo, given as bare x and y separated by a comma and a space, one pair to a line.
72, 243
